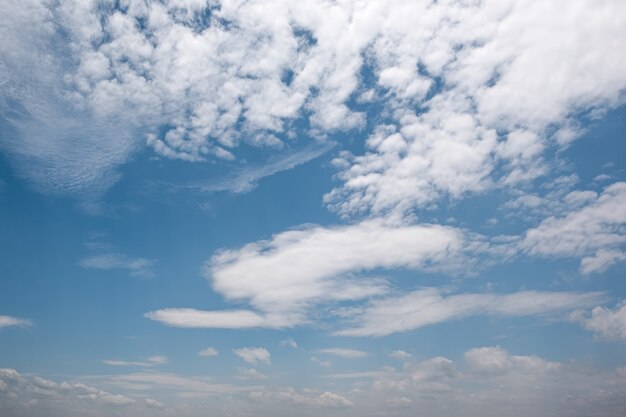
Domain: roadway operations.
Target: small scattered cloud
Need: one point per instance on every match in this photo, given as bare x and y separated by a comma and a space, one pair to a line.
290, 343
400, 354
253, 355
208, 352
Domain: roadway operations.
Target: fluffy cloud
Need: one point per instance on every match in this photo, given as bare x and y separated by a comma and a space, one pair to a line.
429, 306
253, 355
606, 323
593, 230
285, 276
199, 76
497, 361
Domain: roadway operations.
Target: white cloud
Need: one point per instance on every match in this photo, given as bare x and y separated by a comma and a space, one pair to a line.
151, 361
593, 230
137, 267
400, 354
429, 306
251, 374
604, 322
208, 352
253, 355
304, 267
344, 353
8, 321
497, 361
192, 318
289, 342
19, 388
197, 88
311, 266
152, 403
290, 395
246, 179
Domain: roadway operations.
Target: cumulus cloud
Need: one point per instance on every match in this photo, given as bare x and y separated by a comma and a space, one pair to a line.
199, 76
497, 361
429, 306
606, 323
8, 321
253, 355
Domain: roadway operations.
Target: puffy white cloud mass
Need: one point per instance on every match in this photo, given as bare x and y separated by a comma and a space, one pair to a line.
284, 277
195, 79
606, 323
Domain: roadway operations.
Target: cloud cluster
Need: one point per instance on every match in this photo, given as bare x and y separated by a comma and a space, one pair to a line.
22, 395
198, 78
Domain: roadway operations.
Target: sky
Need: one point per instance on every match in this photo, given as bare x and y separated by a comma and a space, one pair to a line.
313, 208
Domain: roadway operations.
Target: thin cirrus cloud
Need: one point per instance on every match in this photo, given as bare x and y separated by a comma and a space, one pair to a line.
344, 353
429, 306
149, 362
137, 267
10, 321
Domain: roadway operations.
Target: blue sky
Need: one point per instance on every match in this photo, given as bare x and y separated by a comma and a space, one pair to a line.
312, 208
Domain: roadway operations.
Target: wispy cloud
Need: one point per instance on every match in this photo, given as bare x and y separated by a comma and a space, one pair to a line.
137, 267
149, 362
430, 306
344, 353
8, 321
247, 178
